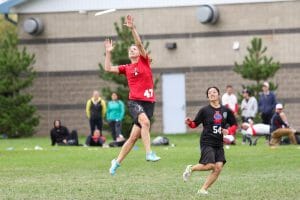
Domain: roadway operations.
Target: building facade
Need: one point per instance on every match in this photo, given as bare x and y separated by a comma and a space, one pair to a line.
70, 48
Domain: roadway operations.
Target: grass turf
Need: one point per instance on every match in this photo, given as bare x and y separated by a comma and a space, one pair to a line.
256, 172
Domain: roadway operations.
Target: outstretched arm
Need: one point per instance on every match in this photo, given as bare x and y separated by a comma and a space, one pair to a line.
108, 49
136, 37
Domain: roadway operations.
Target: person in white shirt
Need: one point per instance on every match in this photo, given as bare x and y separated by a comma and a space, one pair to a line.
248, 106
229, 100
249, 109
253, 131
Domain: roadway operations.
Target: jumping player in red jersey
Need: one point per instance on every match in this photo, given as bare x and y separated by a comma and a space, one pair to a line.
214, 118
141, 94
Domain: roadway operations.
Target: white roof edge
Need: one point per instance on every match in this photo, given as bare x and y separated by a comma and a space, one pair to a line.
46, 6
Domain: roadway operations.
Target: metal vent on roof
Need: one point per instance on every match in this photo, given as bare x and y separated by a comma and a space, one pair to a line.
207, 14
33, 26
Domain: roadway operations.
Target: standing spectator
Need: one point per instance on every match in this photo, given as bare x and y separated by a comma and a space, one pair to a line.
248, 106
229, 100
60, 135
114, 115
280, 127
266, 103
95, 111
249, 109
141, 94
214, 118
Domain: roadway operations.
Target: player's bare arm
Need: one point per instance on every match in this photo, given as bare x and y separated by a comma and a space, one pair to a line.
136, 37
284, 118
108, 44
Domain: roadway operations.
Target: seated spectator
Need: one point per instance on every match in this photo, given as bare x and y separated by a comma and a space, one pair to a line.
60, 135
252, 131
280, 127
230, 137
96, 140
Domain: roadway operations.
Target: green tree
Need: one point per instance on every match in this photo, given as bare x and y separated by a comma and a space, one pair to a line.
120, 56
17, 116
257, 66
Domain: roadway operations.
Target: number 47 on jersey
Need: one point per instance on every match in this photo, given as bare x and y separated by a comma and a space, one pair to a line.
148, 93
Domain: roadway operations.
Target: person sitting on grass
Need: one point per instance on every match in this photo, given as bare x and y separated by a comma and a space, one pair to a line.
280, 127
229, 139
253, 131
96, 140
60, 135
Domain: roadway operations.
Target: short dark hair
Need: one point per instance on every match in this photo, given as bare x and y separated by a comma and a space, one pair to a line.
210, 88
246, 91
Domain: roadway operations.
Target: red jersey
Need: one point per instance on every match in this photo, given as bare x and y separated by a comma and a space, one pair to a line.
139, 78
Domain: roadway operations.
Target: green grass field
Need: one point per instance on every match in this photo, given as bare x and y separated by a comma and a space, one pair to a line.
256, 172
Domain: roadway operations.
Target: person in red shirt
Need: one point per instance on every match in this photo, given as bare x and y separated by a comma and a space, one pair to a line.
141, 94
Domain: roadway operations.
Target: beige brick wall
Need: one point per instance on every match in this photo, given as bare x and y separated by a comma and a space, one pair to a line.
191, 52
207, 51
171, 20
74, 90
66, 89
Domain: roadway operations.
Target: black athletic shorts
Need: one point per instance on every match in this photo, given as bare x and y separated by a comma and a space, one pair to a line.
138, 107
212, 155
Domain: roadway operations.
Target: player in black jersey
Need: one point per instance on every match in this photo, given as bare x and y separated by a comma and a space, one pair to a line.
215, 118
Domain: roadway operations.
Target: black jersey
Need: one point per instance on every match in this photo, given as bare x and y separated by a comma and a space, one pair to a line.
213, 120
277, 122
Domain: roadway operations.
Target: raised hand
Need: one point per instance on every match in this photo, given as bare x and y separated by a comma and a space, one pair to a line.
108, 44
129, 21
137, 40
